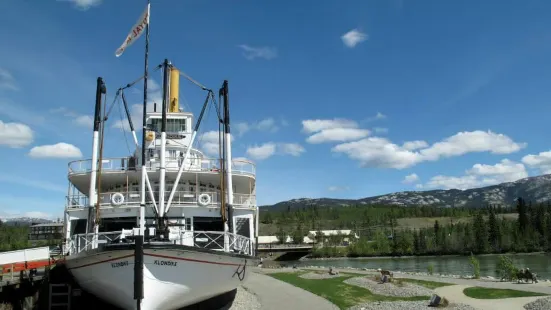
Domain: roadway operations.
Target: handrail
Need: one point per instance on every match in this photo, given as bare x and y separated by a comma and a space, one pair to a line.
212, 240
180, 198
239, 166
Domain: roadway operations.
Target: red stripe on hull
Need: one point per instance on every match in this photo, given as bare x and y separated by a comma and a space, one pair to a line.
160, 256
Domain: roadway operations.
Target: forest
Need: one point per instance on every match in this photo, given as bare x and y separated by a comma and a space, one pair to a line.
485, 232
15, 237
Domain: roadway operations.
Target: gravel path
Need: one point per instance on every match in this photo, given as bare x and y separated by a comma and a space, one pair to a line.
318, 276
405, 305
244, 300
540, 304
390, 289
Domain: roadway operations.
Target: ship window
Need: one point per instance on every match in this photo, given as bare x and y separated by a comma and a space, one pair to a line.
172, 153
175, 125
155, 124
188, 223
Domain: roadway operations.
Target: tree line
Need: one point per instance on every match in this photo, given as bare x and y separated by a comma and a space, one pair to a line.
17, 237
354, 216
530, 232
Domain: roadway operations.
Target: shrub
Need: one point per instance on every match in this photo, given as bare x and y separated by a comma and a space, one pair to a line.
430, 269
476, 266
505, 268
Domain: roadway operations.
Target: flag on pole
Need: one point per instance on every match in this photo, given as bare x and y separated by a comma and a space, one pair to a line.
135, 32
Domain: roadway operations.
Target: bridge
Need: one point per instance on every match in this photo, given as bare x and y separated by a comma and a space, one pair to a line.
285, 247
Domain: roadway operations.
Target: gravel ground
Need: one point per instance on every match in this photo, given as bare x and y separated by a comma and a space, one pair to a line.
318, 276
406, 305
244, 300
389, 289
540, 304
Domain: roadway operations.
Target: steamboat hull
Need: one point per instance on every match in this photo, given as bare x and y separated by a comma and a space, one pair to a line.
173, 277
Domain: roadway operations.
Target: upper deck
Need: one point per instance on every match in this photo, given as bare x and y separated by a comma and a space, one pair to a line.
200, 165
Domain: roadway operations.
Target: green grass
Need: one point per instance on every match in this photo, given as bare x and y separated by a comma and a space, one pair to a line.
333, 289
427, 284
494, 293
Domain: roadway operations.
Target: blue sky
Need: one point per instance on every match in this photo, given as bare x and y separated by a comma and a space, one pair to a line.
329, 99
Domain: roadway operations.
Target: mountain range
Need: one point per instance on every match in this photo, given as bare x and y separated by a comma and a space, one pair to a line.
23, 221
536, 189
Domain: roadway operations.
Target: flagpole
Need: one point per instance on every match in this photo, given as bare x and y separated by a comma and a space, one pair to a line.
138, 249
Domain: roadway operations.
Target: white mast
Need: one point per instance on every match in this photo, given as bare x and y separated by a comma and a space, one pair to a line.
162, 171
227, 160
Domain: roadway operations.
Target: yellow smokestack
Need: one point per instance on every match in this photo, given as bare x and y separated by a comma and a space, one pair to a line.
174, 89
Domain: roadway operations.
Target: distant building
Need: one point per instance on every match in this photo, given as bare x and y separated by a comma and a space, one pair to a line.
346, 235
46, 231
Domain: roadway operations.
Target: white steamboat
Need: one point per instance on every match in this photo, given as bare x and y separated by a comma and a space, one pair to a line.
169, 229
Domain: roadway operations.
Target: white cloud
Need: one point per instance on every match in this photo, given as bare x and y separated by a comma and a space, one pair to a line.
338, 188
7, 81
332, 130
84, 121
353, 37
15, 135
380, 130
59, 150
338, 135
542, 161
481, 175
267, 124
415, 145
381, 152
378, 152
412, 178
473, 141
265, 52
315, 125
268, 149
84, 4
376, 117
208, 143
293, 149
263, 151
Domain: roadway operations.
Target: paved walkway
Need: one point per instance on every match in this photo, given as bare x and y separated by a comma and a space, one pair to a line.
276, 295
454, 293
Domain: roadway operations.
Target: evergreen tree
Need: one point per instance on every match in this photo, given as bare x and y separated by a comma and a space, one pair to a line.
422, 242
416, 245
480, 233
522, 214
493, 231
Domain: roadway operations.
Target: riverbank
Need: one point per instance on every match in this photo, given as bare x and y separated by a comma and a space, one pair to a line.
419, 256
449, 287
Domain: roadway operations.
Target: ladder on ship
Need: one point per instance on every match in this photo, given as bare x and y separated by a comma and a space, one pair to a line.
59, 297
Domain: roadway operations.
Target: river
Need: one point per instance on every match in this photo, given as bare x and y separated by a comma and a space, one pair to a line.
458, 265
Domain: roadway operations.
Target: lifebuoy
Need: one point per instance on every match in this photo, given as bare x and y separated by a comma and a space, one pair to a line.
117, 199
204, 200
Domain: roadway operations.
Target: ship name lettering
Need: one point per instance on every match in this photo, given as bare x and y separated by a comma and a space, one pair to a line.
119, 264
165, 263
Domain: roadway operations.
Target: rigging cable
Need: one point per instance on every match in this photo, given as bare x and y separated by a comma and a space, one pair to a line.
123, 128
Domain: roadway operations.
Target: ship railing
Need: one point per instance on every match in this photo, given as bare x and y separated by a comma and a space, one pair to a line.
89, 241
113, 199
239, 166
214, 240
